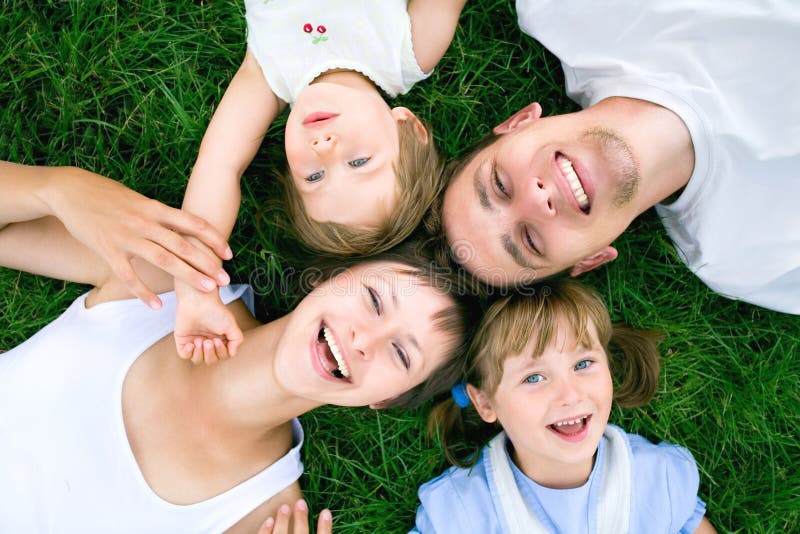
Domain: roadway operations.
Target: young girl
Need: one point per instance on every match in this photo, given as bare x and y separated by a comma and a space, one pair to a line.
541, 369
361, 174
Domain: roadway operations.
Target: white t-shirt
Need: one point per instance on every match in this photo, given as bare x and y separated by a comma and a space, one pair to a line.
728, 69
294, 42
65, 461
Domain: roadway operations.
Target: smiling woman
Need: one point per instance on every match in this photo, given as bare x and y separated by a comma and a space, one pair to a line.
102, 424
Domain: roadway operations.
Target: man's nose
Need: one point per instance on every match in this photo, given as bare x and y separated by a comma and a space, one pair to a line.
536, 197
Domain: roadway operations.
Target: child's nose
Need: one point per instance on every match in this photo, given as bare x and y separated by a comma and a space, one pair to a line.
324, 143
569, 392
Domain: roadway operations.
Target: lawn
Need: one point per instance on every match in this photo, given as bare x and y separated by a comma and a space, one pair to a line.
126, 89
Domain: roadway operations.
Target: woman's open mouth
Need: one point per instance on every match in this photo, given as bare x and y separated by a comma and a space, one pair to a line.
330, 356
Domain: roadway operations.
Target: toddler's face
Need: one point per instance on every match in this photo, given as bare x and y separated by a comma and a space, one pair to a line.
342, 145
554, 408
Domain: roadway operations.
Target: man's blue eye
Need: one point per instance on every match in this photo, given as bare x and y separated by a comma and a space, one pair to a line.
358, 162
534, 378
583, 364
317, 176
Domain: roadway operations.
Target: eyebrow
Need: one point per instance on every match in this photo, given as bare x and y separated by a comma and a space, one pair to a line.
480, 192
396, 303
514, 251
508, 244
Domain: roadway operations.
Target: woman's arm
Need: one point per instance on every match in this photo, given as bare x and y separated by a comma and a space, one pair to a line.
433, 24
103, 225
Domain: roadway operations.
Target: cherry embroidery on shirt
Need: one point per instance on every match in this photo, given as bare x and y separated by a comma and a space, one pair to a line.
308, 28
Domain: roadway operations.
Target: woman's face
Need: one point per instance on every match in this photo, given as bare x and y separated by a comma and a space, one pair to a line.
363, 337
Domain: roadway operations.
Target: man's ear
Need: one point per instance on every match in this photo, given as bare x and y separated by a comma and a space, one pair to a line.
526, 115
597, 259
404, 114
482, 403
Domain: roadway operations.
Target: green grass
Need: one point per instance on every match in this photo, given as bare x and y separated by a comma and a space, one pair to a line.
126, 89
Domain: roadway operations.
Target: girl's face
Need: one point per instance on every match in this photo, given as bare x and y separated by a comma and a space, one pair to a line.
363, 337
554, 408
342, 145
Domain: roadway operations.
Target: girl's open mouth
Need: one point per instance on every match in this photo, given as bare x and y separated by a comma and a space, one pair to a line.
571, 429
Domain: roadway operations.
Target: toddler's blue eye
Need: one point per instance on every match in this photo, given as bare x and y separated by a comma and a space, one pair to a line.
583, 364
358, 162
317, 176
534, 378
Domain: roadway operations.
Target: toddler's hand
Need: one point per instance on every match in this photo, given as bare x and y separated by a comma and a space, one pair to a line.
205, 330
299, 517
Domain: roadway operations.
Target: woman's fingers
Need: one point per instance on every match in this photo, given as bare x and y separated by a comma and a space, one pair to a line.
190, 224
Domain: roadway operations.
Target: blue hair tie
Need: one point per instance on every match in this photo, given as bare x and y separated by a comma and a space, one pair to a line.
459, 393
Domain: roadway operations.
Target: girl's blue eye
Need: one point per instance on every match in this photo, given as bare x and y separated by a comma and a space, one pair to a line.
358, 162
317, 176
376, 301
583, 364
534, 378
403, 356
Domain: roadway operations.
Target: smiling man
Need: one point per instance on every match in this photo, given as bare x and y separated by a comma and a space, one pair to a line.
691, 107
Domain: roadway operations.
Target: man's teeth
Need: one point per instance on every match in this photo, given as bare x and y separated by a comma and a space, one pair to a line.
571, 422
574, 183
335, 351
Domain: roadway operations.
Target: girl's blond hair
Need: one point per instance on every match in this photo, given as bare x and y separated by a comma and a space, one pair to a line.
506, 329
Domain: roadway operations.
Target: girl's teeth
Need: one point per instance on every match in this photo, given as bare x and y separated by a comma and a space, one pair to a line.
335, 351
571, 422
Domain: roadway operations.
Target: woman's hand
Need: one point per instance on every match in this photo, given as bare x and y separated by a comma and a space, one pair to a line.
118, 224
299, 518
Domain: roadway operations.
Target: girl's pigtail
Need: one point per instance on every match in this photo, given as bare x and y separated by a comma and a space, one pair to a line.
461, 432
635, 365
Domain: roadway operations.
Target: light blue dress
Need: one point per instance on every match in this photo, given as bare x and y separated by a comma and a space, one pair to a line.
663, 496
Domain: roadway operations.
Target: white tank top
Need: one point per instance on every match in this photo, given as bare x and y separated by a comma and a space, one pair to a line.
65, 461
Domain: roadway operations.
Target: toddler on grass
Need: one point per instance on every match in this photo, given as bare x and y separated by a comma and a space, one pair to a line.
541, 369
360, 174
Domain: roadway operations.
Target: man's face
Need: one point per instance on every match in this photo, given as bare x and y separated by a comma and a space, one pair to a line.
549, 194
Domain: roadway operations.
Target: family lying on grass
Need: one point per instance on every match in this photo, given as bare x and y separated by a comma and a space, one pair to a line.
125, 433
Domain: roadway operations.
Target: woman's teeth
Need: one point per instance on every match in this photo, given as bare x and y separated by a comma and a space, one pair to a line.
574, 182
345, 372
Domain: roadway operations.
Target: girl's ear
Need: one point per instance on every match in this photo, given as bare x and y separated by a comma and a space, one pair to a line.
482, 403
404, 114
